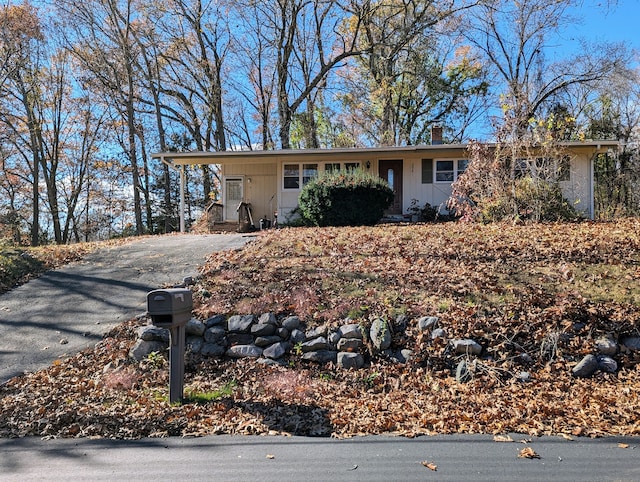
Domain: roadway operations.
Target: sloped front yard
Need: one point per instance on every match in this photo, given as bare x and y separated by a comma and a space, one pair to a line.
536, 298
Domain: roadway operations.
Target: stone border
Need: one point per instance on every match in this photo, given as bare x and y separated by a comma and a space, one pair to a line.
270, 339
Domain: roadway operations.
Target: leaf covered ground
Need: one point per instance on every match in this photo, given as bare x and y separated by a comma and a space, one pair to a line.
535, 297
19, 264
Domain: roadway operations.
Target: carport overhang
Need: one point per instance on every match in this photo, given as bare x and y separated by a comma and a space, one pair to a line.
178, 160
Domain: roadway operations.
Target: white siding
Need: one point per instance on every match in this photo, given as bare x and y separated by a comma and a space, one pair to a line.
260, 187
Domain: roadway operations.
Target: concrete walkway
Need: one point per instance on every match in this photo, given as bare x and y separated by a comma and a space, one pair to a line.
67, 310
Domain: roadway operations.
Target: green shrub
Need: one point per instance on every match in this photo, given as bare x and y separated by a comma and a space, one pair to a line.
345, 198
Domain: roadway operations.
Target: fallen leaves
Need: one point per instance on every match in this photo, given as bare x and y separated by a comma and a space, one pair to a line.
502, 438
528, 453
482, 281
430, 465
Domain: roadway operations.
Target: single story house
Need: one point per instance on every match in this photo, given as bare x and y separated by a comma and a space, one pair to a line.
270, 181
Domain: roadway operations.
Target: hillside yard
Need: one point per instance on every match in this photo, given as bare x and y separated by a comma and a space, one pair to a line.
535, 297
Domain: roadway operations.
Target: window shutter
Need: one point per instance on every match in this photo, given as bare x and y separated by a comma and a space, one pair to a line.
427, 171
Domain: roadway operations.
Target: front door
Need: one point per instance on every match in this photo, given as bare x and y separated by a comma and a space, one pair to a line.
391, 171
233, 196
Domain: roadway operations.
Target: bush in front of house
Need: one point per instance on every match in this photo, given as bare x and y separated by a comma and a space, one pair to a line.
495, 187
345, 198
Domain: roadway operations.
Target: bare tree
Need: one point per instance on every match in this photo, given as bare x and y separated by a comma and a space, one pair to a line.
303, 41
21, 40
100, 36
514, 35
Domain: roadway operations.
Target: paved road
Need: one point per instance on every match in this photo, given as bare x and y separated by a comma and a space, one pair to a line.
246, 458
69, 309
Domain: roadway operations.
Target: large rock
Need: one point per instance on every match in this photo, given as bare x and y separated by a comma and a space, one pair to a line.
212, 349
322, 356
350, 360
194, 343
277, 350
349, 344
352, 330
263, 329
606, 346
291, 323
194, 327
263, 341
427, 323
466, 346
438, 334
244, 351
380, 334
297, 336
217, 320
215, 334
240, 323
153, 333
607, 364
142, 348
268, 318
586, 367
631, 342
319, 343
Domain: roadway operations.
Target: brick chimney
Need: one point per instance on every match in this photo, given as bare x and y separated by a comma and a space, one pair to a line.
436, 135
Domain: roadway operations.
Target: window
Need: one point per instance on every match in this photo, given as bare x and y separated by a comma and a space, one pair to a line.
332, 166
309, 172
449, 170
462, 166
544, 168
297, 175
427, 171
444, 171
390, 177
521, 168
292, 176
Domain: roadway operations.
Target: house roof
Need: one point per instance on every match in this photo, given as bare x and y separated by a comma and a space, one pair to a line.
368, 153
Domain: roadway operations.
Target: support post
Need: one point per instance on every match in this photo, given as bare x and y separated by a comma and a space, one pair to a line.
182, 181
176, 364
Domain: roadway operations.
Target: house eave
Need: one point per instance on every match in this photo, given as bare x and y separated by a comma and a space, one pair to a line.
368, 153
250, 157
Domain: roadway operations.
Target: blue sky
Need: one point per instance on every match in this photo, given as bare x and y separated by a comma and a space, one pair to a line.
612, 23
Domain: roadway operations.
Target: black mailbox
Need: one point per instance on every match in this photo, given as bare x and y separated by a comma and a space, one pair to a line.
170, 307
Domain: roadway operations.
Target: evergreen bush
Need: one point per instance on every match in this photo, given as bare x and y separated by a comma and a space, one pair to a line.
345, 198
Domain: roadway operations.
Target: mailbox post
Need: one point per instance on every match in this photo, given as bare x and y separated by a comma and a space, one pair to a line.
171, 309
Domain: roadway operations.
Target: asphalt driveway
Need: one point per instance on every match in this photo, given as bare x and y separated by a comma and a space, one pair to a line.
67, 310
